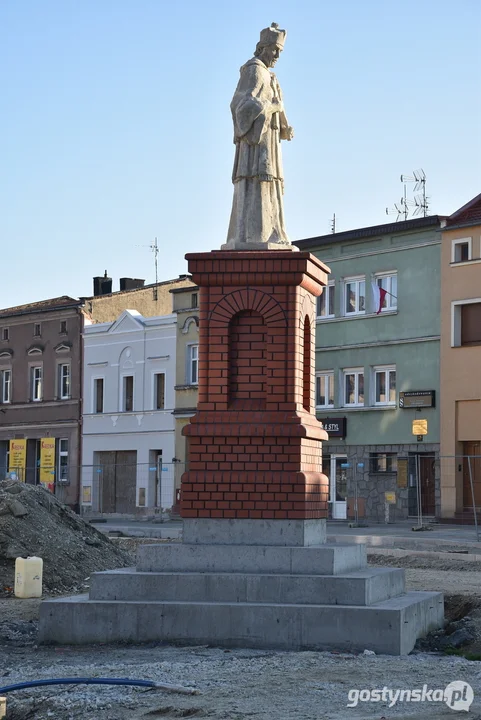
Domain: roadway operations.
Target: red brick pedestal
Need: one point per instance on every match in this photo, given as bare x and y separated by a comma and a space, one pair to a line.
254, 446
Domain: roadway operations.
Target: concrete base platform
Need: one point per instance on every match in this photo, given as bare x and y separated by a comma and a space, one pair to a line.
313, 560
211, 531
363, 587
290, 598
390, 627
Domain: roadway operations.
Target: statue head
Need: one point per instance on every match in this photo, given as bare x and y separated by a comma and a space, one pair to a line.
270, 45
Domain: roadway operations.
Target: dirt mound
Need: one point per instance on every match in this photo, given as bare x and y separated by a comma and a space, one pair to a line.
34, 522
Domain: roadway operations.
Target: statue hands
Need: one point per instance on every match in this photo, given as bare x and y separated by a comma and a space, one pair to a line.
287, 133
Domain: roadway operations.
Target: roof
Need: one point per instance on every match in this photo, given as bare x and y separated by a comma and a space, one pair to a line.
469, 214
59, 303
181, 278
372, 231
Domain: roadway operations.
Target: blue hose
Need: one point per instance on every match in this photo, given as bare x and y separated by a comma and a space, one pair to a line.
78, 681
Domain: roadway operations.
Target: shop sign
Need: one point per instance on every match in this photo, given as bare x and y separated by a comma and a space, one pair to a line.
47, 463
335, 427
390, 498
417, 399
17, 458
420, 427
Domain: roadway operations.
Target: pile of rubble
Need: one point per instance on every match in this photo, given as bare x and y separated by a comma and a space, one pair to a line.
34, 522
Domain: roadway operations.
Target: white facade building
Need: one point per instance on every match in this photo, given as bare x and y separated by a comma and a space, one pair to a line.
128, 426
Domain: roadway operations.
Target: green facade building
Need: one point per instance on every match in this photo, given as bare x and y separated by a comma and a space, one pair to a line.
377, 368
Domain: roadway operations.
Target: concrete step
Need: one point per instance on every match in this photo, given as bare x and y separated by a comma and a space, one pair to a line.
313, 560
390, 627
363, 587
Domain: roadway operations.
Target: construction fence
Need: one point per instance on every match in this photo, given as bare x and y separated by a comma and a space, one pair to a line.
108, 488
417, 485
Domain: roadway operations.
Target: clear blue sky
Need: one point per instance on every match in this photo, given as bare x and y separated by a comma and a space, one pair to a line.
115, 125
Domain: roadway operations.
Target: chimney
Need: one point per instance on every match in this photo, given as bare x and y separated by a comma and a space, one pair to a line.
102, 285
131, 283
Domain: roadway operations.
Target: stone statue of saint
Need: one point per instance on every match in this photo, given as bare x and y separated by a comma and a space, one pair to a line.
260, 123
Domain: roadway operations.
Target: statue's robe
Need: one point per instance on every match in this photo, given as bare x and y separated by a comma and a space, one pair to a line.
257, 210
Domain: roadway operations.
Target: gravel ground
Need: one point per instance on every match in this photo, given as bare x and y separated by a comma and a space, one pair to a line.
240, 684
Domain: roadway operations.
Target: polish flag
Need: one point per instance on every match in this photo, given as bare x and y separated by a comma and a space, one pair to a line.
379, 294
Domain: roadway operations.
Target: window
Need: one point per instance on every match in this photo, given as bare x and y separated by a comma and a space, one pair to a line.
6, 386
466, 323
159, 391
325, 390
64, 381
37, 330
193, 366
193, 300
63, 327
461, 250
388, 283
325, 302
383, 462
354, 296
354, 387
36, 383
98, 395
62, 472
5, 334
385, 386
128, 402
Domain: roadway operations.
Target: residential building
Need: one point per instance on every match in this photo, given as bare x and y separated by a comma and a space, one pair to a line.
40, 401
128, 422
185, 305
461, 362
153, 300
377, 367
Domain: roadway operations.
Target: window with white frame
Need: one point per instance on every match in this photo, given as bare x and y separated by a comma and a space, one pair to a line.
461, 250
6, 385
388, 283
98, 395
384, 385
353, 387
36, 383
159, 391
193, 365
466, 322
64, 381
354, 295
325, 302
128, 393
62, 470
325, 389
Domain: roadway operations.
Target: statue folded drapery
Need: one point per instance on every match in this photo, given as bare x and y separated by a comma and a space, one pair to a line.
257, 218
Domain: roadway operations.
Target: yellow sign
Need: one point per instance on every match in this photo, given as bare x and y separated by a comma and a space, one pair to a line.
420, 427
390, 498
47, 463
17, 458
87, 494
402, 473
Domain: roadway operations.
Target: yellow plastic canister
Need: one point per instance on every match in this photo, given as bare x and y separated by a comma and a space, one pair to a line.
28, 577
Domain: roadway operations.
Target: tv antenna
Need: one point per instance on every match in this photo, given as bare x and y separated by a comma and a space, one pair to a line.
155, 249
420, 202
333, 224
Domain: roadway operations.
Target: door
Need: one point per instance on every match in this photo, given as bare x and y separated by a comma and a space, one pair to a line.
338, 487
427, 475
118, 474
472, 457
